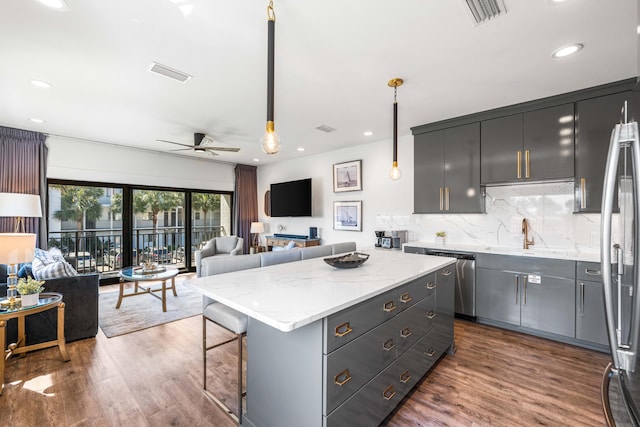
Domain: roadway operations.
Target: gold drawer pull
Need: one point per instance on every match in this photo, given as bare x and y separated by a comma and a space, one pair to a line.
431, 285
342, 330
388, 345
406, 332
389, 306
446, 272
405, 376
342, 378
405, 298
431, 352
389, 392
431, 314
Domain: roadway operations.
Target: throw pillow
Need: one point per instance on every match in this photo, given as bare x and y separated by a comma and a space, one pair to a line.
25, 271
54, 270
290, 245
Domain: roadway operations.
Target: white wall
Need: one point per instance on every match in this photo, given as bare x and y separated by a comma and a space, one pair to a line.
92, 161
379, 195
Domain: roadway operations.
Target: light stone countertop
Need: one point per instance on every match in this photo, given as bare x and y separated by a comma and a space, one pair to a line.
291, 295
505, 250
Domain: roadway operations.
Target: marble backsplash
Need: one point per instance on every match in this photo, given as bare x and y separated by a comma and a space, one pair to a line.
547, 206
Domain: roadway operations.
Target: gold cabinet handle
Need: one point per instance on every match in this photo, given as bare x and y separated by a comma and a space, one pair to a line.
527, 165
389, 306
446, 198
405, 333
441, 199
583, 193
446, 272
517, 286
405, 376
519, 167
342, 378
388, 345
388, 393
431, 314
431, 285
342, 330
405, 298
431, 352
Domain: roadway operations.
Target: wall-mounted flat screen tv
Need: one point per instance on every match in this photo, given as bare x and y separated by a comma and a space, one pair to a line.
292, 198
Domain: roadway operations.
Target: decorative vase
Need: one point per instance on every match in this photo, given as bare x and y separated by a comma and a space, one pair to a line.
440, 240
29, 300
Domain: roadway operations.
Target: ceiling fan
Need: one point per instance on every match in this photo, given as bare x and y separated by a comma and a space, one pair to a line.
202, 143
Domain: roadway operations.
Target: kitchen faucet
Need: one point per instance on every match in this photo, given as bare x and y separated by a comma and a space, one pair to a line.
525, 231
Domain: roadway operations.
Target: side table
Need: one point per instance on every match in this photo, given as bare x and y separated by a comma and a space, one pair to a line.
46, 302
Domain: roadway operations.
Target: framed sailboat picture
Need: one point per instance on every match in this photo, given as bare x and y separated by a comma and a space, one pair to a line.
347, 216
347, 176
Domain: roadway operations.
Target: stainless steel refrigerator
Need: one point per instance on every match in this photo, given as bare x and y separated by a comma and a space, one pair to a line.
620, 276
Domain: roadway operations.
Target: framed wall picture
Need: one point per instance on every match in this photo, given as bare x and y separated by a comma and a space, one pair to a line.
347, 176
347, 216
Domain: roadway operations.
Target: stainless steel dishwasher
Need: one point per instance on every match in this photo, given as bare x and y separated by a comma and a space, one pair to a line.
465, 293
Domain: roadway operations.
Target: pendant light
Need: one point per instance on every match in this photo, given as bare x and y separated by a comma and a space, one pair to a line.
270, 141
395, 173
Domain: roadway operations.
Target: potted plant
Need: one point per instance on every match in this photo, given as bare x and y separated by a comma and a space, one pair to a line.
29, 290
440, 235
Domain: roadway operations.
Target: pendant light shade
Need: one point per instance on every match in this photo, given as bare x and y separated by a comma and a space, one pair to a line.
395, 173
270, 141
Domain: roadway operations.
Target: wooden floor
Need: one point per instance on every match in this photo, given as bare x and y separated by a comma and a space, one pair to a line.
153, 377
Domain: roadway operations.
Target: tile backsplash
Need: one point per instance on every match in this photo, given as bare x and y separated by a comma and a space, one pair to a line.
547, 206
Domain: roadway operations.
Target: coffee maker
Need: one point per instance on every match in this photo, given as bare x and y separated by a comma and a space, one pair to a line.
379, 236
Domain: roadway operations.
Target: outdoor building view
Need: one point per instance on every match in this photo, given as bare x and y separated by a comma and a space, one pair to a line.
87, 224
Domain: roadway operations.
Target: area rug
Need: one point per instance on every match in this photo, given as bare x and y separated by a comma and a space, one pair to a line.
145, 311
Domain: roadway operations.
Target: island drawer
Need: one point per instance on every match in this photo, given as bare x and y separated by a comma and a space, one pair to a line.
346, 325
412, 324
416, 290
354, 364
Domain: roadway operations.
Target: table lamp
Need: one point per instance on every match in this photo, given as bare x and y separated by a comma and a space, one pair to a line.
15, 248
20, 205
256, 229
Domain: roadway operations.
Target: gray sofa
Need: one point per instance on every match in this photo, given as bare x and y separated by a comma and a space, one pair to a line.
218, 265
80, 296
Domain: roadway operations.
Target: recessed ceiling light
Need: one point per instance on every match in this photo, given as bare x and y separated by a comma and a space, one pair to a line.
567, 50
300, 149
41, 83
55, 4
37, 120
256, 160
368, 133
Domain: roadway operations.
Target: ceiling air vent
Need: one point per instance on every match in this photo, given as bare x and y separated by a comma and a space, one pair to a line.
325, 128
483, 10
165, 71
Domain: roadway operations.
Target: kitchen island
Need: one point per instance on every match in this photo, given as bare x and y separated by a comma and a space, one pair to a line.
331, 346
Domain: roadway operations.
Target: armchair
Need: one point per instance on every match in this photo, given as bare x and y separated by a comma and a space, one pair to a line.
224, 245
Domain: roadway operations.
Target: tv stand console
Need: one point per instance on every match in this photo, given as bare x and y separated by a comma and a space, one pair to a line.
283, 241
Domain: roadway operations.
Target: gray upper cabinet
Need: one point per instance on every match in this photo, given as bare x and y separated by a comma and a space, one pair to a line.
532, 146
596, 118
447, 171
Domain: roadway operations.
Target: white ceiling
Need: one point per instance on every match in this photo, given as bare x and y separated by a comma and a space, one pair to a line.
333, 61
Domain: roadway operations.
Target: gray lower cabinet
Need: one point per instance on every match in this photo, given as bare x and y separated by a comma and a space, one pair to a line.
590, 314
533, 293
353, 367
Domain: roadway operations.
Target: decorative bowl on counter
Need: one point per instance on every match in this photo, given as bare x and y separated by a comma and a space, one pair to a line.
352, 260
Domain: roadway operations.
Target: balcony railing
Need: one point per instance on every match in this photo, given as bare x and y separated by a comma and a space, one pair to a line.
101, 250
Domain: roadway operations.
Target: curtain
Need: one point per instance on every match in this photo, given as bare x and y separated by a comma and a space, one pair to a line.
245, 202
23, 169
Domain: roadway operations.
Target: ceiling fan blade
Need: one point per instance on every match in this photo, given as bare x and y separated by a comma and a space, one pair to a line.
176, 143
229, 149
182, 149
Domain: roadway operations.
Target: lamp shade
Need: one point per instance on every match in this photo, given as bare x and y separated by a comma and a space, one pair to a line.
17, 247
20, 205
257, 227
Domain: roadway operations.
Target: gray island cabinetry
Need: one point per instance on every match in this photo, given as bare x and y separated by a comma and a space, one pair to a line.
330, 347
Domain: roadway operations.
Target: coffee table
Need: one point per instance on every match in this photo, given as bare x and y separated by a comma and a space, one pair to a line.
47, 301
137, 274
